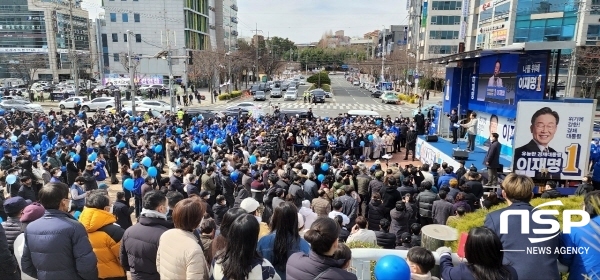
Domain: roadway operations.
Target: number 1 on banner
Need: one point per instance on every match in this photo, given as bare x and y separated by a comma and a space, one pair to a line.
572, 159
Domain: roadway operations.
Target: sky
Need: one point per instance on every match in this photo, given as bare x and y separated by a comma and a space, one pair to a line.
305, 21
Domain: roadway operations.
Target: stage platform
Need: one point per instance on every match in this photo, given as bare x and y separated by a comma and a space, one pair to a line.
441, 151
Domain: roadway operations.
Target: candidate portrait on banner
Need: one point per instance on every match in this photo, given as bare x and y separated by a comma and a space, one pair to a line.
495, 80
557, 145
544, 123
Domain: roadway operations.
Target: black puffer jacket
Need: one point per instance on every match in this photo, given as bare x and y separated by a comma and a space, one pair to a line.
400, 220
139, 246
375, 214
387, 240
425, 201
9, 268
12, 228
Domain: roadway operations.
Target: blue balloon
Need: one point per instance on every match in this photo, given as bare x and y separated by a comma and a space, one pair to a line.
197, 149
135, 165
77, 138
152, 171
158, 149
76, 158
92, 156
135, 129
80, 115
132, 118
76, 215
90, 150
11, 179
146, 161
362, 143
37, 146
121, 145
13, 138
318, 143
128, 184
392, 267
321, 177
252, 159
219, 141
1, 220
370, 137
2, 112
325, 166
179, 130
234, 175
63, 168
203, 149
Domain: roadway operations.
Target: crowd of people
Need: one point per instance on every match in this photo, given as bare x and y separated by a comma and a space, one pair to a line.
269, 197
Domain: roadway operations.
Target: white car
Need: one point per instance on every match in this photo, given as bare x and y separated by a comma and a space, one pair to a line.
157, 105
98, 103
244, 105
127, 103
70, 102
21, 106
290, 95
356, 83
146, 87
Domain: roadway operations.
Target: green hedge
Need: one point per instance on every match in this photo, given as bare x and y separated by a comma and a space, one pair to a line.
232, 95
325, 87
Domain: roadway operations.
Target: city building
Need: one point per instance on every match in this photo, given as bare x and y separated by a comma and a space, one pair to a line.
225, 24
180, 26
37, 34
395, 36
258, 40
435, 27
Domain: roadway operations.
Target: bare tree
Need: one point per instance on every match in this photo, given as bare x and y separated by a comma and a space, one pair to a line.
270, 63
25, 66
588, 64
204, 64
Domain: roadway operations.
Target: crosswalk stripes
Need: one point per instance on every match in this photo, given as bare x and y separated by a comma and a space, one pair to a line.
331, 106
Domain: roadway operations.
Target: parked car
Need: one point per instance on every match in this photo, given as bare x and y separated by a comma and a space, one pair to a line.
290, 95
356, 83
145, 88
328, 94
254, 89
260, 96
70, 102
21, 106
157, 105
389, 97
99, 103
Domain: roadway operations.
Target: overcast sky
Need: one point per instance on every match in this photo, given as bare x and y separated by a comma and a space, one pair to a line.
305, 21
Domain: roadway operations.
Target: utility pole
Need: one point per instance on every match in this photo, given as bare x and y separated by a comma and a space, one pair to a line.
131, 73
229, 56
74, 64
416, 73
383, 51
257, 45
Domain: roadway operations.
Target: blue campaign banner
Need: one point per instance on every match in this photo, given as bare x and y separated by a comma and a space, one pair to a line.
531, 76
496, 81
451, 89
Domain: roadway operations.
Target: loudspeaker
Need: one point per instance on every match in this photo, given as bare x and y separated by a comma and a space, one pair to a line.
460, 154
431, 138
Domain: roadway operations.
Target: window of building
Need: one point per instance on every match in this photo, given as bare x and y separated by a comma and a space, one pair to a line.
443, 34
115, 57
125, 17
443, 49
136, 17
138, 38
446, 5
113, 17
445, 20
104, 40
115, 37
125, 37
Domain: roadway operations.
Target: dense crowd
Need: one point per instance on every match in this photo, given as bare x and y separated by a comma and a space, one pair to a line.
270, 197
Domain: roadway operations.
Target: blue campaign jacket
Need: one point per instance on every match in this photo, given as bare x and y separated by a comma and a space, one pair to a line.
525, 264
266, 245
594, 152
587, 263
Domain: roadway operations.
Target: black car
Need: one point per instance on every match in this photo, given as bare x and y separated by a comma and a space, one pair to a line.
254, 89
206, 114
318, 96
300, 113
235, 112
377, 93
